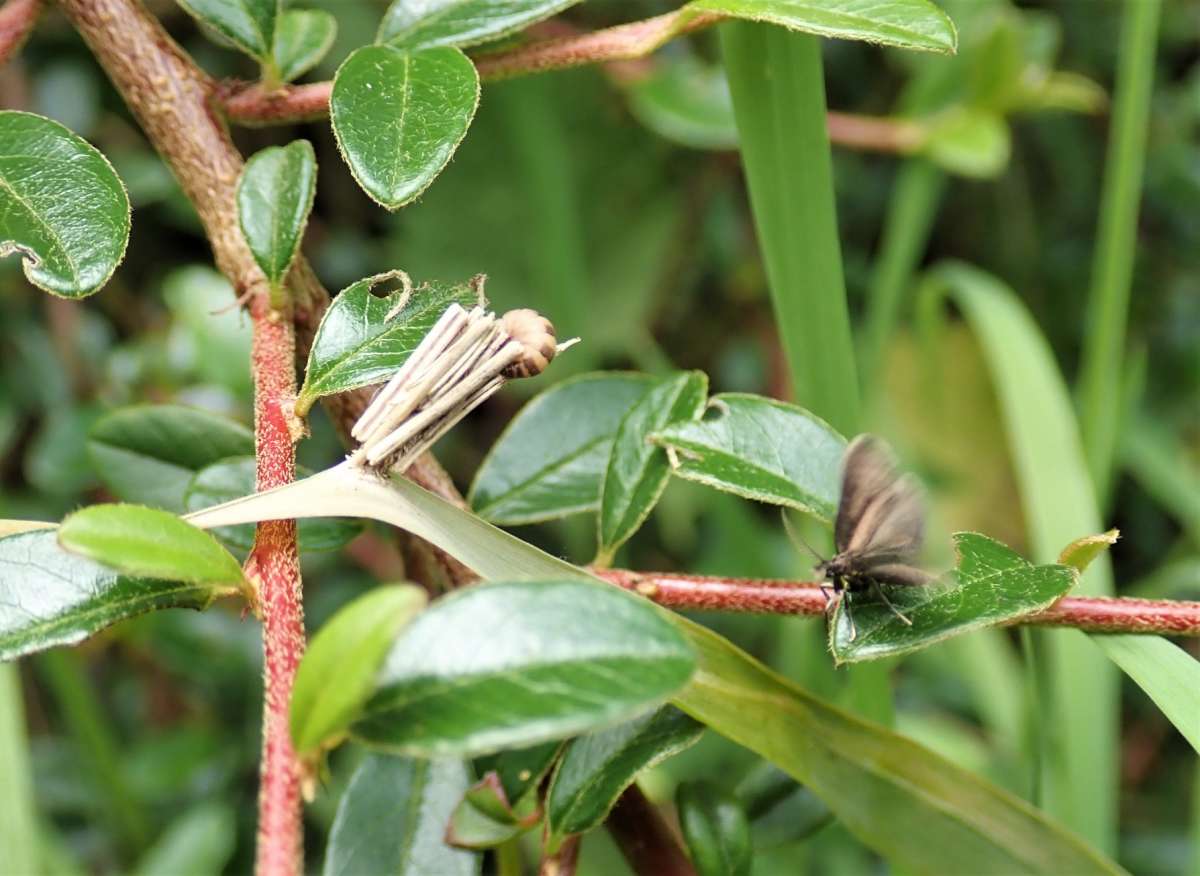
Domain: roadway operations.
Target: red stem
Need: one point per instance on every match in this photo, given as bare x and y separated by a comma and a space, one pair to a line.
645, 838
758, 596
274, 565
17, 19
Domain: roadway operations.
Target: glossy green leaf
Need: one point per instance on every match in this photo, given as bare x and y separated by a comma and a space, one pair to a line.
716, 829
392, 819
687, 102
761, 449
357, 345
302, 39
991, 585
562, 657
461, 22
336, 676
274, 197
149, 453
551, 459
230, 478
399, 116
595, 769
62, 207
637, 470
1169, 675
248, 24
49, 597
906, 24
149, 542
940, 818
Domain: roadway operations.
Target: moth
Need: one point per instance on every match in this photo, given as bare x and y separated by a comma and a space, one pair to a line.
879, 529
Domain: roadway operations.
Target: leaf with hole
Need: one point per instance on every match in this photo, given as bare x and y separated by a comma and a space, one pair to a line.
230, 478
716, 829
148, 542
148, 454
595, 769
905, 24
392, 819
760, 449
461, 22
550, 461
62, 207
248, 24
274, 197
637, 470
302, 38
562, 657
49, 597
399, 116
337, 672
363, 338
991, 585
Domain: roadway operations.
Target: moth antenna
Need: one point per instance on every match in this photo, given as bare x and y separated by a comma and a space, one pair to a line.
795, 537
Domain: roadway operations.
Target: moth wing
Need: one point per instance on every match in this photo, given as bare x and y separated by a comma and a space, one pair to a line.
867, 473
892, 528
900, 575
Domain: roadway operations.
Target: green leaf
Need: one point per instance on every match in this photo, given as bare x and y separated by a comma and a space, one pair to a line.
940, 818
562, 657
485, 818
19, 827
357, 345
687, 102
234, 477
1058, 504
337, 673
638, 471
200, 841
1082, 551
248, 24
461, 22
149, 453
149, 542
969, 142
780, 809
49, 597
1169, 675
551, 459
302, 39
274, 197
716, 830
399, 116
595, 769
991, 585
760, 449
392, 819
62, 206
906, 24
519, 770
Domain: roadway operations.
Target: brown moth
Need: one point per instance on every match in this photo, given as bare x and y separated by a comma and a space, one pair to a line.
879, 529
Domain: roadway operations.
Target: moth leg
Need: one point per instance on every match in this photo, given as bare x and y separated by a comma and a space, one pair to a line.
849, 614
825, 591
878, 588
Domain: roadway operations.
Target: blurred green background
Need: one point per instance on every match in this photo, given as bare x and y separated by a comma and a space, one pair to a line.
614, 202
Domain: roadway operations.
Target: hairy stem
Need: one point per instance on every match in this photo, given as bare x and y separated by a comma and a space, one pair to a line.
17, 19
757, 596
